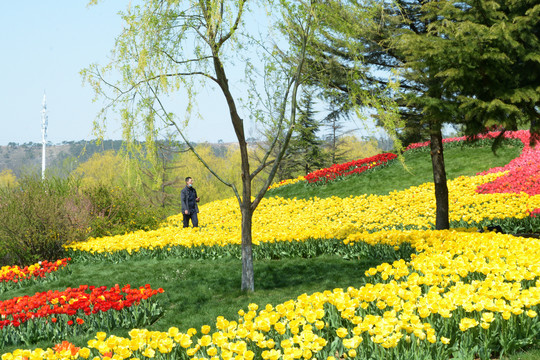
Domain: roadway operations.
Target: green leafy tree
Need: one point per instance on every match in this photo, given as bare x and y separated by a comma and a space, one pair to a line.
168, 46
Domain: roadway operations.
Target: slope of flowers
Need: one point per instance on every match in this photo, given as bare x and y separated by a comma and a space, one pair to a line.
277, 219
361, 165
55, 314
287, 182
349, 168
522, 173
489, 135
464, 295
337, 171
13, 276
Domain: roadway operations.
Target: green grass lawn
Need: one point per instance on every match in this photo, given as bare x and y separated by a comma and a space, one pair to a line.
415, 170
525, 355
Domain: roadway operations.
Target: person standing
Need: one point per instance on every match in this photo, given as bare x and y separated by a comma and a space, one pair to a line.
189, 200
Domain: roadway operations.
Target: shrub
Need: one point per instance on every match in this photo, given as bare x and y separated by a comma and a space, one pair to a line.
115, 210
34, 221
38, 217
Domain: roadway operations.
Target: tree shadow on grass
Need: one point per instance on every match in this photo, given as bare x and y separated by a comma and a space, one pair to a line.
309, 273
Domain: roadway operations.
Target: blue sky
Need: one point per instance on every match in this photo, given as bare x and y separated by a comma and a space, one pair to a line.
44, 45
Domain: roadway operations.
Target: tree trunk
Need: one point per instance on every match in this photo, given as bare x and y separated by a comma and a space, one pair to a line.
248, 282
439, 178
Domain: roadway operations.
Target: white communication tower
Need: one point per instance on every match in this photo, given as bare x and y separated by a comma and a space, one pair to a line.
44, 124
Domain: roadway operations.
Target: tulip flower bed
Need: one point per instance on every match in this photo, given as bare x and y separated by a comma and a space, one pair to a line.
522, 174
338, 171
287, 182
349, 168
463, 295
53, 315
15, 276
276, 230
481, 140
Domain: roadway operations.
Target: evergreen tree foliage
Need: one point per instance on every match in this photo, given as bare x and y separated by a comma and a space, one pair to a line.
306, 148
359, 56
357, 60
488, 55
334, 133
473, 62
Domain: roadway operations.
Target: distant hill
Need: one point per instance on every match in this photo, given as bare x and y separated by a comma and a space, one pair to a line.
64, 157
61, 158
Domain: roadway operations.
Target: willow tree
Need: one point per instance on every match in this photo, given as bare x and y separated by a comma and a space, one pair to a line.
174, 47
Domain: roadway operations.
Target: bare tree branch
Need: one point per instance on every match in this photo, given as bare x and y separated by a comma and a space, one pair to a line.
297, 82
261, 168
185, 61
191, 147
280, 122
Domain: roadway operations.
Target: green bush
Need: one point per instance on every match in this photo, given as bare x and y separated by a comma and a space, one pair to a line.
38, 217
116, 210
34, 223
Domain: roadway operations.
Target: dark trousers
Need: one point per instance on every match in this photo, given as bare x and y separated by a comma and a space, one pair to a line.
193, 217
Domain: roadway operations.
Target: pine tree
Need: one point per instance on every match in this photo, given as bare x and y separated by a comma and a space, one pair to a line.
488, 54
306, 150
335, 132
354, 56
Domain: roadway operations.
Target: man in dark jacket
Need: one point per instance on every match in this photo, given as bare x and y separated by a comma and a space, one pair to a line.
189, 199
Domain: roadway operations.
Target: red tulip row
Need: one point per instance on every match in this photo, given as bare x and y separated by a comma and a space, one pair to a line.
349, 168
55, 315
85, 299
490, 135
10, 276
361, 165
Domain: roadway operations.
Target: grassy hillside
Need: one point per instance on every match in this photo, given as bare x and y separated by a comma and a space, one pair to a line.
198, 291
414, 170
